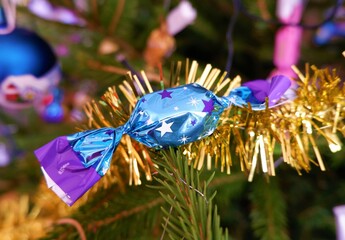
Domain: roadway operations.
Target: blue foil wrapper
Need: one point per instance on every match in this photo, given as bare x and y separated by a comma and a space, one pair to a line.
175, 116
170, 117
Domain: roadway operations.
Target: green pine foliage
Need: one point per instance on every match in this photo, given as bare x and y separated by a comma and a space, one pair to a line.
268, 216
181, 202
191, 214
111, 214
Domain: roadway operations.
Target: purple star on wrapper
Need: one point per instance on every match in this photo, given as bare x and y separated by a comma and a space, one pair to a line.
172, 117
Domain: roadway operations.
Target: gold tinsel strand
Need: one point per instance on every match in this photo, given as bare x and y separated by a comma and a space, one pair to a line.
317, 110
24, 217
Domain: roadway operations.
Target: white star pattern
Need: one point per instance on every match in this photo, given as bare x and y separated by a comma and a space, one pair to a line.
184, 88
165, 128
141, 113
194, 102
176, 108
184, 139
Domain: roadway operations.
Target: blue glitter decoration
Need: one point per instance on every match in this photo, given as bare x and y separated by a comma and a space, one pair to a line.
28, 68
53, 112
24, 52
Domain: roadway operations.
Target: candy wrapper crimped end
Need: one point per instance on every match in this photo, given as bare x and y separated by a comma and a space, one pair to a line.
73, 164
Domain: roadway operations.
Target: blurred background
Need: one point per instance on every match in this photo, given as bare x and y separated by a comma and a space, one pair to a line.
77, 49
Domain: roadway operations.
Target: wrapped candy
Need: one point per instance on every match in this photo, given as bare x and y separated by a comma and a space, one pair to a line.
161, 42
288, 38
170, 117
180, 17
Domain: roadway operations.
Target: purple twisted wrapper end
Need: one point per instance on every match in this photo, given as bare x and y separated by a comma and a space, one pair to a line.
274, 90
71, 178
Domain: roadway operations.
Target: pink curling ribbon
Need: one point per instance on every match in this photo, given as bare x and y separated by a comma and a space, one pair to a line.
288, 38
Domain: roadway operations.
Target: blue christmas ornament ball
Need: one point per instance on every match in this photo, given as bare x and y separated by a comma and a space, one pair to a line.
28, 69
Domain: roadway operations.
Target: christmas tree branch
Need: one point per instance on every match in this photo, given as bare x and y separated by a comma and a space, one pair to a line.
269, 210
111, 211
125, 213
191, 214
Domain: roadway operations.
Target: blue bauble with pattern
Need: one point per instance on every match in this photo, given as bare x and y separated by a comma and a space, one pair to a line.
28, 69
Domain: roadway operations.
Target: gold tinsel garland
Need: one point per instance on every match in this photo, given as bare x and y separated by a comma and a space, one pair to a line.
317, 109
25, 217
